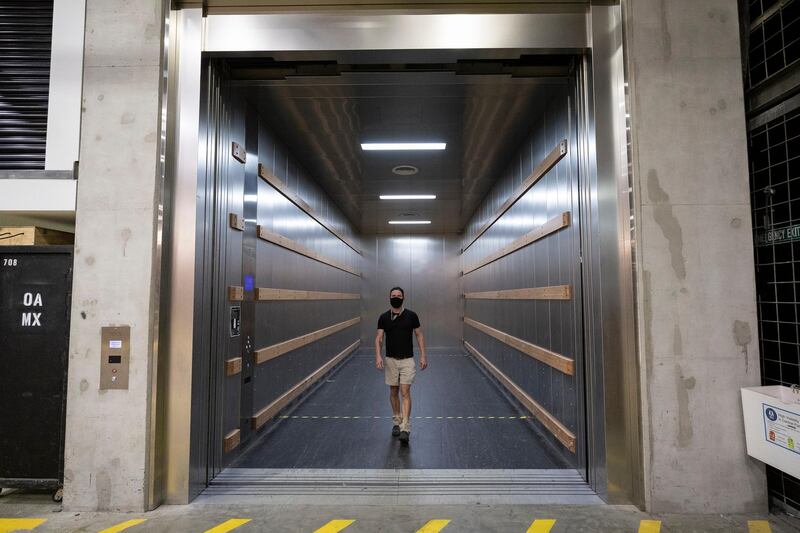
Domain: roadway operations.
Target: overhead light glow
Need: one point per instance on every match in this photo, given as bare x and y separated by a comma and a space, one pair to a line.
408, 197
409, 222
403, 146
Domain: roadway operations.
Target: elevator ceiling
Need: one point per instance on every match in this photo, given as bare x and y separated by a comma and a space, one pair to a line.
323, 112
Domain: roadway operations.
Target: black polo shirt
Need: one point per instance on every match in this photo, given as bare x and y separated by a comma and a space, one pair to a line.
398, 333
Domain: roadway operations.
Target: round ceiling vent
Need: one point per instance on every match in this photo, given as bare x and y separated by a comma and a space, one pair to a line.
405, 170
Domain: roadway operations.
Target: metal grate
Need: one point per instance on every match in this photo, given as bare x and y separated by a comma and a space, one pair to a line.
25, 39
759, 8
775, 189
774, 38
775, 199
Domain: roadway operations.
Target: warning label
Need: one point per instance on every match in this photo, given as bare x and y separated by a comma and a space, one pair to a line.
782, 427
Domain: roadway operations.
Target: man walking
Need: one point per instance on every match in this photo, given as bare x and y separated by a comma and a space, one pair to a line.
397, 324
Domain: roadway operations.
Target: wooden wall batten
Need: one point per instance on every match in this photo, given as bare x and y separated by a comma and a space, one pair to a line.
551, 226
553, 425
298, 248
555, 155
290, 195
262, 416
557, 361
276, 350
554, 292
266, 294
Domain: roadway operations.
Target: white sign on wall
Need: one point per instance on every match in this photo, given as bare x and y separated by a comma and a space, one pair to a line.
772, 426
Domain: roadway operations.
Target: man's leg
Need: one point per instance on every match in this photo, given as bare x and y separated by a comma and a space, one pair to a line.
397, 417
407, 372
405, 392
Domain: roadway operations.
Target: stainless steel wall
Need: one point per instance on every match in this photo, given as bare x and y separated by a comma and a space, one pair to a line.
553, 260
235, 255
427, 268
278, 321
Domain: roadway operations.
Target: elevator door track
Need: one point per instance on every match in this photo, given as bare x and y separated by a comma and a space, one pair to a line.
401, 487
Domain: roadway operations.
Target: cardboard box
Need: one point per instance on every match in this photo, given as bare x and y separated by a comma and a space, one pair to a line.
33, 235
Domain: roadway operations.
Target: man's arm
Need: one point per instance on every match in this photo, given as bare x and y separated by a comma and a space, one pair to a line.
423, 357
378, 342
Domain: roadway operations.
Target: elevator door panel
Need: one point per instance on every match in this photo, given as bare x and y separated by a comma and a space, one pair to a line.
245, 383
232, 335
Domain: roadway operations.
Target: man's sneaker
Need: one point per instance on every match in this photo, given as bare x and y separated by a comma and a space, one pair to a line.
395, 431
404, 437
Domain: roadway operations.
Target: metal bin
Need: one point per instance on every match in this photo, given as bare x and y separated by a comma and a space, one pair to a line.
35, 295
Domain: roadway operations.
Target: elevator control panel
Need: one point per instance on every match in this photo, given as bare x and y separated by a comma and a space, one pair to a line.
236, 321
115, 352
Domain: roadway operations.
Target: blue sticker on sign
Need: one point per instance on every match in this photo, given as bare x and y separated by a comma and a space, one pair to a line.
781, 428
248, 283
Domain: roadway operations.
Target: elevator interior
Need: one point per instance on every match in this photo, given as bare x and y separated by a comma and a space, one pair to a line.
280, 254
304, 252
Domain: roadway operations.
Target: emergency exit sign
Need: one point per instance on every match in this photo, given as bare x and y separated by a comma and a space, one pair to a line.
779, 235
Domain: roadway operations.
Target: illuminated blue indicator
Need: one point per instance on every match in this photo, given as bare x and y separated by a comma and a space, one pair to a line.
248, 283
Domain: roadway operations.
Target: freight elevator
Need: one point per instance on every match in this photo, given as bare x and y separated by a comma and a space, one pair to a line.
325, 177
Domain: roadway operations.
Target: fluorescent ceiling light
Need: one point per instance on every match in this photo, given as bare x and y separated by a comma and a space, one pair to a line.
408, 197
409, 222
403, 146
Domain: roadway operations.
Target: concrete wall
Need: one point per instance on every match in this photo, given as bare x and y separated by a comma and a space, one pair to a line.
696, 293
116, 273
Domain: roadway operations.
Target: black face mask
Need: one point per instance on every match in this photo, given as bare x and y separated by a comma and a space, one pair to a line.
396, 302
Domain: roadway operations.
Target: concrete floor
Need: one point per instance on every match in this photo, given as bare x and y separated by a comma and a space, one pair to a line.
394, 519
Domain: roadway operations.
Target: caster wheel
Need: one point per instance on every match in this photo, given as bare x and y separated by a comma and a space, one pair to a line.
58, 495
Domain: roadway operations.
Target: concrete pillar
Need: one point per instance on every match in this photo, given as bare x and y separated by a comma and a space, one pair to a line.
109, 449
696, 285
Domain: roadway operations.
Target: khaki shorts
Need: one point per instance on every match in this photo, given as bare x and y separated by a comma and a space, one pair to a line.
399, 371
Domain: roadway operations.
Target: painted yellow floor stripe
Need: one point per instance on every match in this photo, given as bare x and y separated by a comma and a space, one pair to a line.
124, 525
434, 526
650, 526
758, 526
20, 524
228, 525
541, 526
334, 526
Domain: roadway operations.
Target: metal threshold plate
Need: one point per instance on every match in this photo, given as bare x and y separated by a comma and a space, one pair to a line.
375, 487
